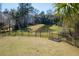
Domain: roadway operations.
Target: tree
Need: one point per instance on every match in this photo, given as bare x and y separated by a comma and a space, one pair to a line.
24, 9
49, 12
21, 15
50, 17
42, 14
36, 16
36, 11
15, 16
46, 18
1, 26
70, 12
42, 17
6, 13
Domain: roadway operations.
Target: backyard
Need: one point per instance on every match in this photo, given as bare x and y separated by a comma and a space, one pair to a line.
23, 45
28, 30
20, 44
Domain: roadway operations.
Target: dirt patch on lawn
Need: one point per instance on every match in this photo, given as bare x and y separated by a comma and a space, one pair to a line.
35, 46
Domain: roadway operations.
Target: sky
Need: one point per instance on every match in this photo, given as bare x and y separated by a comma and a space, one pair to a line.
39, 6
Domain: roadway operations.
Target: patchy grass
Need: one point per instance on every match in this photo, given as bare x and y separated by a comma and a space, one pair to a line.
44, 29
36, 27
19, 33
22, 45
56, 28
19, 43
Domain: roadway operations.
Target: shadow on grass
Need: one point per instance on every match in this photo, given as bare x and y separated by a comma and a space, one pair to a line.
44, 29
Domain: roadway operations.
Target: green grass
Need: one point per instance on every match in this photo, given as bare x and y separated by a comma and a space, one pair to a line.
56, 28
44, 29
35, 46
24, 43
36, 27
19, 33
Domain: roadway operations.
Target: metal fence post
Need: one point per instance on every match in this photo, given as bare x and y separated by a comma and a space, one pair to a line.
40, 33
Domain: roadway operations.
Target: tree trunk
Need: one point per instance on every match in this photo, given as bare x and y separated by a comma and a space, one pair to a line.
9, 25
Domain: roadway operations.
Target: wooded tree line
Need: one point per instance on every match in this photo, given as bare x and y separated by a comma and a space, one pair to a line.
66, 14
22, 13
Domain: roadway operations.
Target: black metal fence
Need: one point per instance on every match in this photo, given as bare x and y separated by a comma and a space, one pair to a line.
71, 39
26, 33
49, 35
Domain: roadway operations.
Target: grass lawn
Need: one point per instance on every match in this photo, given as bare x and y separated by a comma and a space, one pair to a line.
56, 28
23, 45
36, 27
16, 44
39, 28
